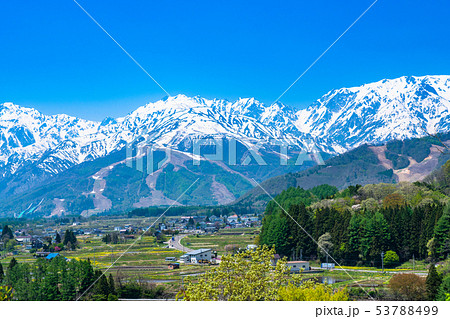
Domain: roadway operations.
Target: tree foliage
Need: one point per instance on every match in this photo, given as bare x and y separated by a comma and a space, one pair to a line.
55, 279
311, 291
408, 287
432, 283
390, 258
248, 275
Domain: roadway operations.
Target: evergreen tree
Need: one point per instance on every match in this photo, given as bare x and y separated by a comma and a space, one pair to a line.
441, 234
2, 274
70, 240
67, 285
432, 283
280, 236
7, 234
101, 289
112, 285
354, 238
302, 241
444, 289
57, 238
417, 243
50, 287
12, 263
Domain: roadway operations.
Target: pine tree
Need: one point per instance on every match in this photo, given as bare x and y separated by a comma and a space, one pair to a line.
7, 234
280, 236
2, 274
112, 285
354, 237
57, 238
432, 283
50, 287
12, 263
301, 240
441, 234
101, 287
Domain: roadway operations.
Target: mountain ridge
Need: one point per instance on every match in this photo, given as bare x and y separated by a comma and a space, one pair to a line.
35, 147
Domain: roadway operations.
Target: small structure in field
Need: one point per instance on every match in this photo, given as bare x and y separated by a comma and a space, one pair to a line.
173, 266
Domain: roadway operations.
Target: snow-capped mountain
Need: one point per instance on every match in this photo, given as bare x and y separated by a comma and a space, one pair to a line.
401, 108
39, 154
60, 141
341, 120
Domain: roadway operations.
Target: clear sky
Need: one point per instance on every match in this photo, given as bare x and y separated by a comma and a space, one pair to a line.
54, 58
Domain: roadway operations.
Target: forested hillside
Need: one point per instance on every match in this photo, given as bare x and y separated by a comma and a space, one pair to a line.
358, 223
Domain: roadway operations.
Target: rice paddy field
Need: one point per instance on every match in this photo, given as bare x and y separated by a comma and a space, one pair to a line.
217, 241
144, 259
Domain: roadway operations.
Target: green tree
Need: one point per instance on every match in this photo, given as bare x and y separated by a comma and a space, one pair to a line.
302, 241
7, 233
375, 237
12, 264
248, 275
2, 274
432, 283
441, 234
112, 285
444, 289
354, 237
57, 238
70, 240
391, 258
10, 245
101, 288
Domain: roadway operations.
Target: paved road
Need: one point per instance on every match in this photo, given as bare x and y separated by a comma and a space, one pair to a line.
175, 244
376, 271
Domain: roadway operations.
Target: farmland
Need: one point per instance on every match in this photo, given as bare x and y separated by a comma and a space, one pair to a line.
141, 259
217, 241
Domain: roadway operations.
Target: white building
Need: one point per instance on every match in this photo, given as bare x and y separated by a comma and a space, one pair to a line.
298, 265
197, 256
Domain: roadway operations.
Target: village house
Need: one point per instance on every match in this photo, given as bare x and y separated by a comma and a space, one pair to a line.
298, 265
232, 219
23, 239
197, 256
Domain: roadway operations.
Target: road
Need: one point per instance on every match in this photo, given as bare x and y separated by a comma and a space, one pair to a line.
176, 244
423, 272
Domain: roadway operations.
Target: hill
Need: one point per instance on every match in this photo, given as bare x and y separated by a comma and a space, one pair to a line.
397, 161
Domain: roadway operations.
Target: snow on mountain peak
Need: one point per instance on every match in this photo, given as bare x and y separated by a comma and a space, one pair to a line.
340, 120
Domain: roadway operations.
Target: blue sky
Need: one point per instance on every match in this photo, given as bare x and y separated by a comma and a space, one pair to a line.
54, 58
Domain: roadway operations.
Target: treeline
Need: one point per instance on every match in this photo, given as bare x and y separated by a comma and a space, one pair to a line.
56, 279
192, 210
60, 279
355, 237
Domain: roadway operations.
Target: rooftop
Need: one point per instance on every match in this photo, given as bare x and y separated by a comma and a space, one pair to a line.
198, 251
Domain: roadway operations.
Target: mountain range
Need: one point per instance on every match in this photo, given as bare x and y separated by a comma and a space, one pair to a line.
36, 149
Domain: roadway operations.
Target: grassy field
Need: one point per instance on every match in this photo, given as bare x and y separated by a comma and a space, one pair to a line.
143, 259
217, 241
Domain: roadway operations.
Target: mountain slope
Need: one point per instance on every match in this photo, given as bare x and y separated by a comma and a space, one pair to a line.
36, 149
363, 165
378, 112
